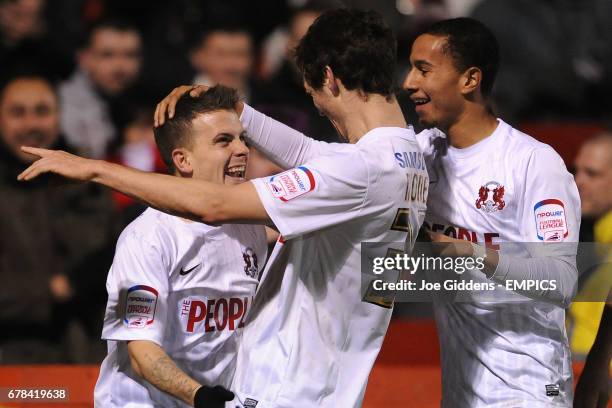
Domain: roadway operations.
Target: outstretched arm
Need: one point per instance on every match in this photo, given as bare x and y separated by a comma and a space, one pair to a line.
188, 198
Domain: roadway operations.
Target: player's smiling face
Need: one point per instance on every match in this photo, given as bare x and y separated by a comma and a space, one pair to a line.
434, 82
218, 152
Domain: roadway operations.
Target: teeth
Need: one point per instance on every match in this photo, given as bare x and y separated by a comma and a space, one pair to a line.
236, 171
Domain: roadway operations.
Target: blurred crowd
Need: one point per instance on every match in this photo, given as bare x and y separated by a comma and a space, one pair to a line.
84, 76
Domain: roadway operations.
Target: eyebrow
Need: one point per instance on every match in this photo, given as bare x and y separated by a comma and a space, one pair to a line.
422, 63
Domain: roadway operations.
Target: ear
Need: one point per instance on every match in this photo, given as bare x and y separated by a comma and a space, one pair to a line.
182, 160
330, 81
470, 80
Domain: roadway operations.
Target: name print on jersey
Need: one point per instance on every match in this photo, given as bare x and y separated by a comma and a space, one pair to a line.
291, 183
211, 315
140, 306
413, 160
491, 197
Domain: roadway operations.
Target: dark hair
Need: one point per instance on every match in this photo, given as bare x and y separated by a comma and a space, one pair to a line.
471, 44
108, 23
227, 26
176, 132
358, 46
24, 71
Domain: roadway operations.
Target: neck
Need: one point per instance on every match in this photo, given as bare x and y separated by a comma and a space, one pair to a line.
475, 123
364, 114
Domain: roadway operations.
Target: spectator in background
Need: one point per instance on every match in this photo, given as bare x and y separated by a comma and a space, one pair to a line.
20, 20
224, 55
283, 96
45, 232
594, 181
108, 66
26, 35
135, 148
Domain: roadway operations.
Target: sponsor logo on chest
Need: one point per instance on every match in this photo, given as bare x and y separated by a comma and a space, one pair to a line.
209, 315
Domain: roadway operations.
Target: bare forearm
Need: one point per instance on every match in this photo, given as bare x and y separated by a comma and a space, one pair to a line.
155, 366
187, 198
200, 200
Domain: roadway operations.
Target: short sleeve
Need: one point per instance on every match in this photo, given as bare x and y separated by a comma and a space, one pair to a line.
324, 192
138, 290
551, 209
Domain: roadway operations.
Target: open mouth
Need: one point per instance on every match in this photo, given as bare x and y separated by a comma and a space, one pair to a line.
236, 172
420, 101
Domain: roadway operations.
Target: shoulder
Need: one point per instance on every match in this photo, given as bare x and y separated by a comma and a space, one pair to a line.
151, 229
527, 151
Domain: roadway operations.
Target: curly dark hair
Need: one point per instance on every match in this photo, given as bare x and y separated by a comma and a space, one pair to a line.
357, 45
176, 132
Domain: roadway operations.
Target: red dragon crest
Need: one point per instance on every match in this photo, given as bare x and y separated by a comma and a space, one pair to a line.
491, 202
498, 197
483, 193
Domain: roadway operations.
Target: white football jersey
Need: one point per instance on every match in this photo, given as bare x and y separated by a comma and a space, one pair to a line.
185, 286
311, 338
507, 188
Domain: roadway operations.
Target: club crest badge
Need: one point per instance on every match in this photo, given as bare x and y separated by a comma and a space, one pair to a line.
491, 197
250, 262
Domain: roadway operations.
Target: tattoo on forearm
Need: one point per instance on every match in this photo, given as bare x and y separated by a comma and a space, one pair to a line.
167, 376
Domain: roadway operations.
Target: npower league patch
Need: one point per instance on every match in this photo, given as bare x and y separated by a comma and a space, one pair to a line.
140, 306
291, 183
551, 224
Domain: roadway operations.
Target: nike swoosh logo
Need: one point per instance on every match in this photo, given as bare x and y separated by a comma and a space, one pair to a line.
182, 272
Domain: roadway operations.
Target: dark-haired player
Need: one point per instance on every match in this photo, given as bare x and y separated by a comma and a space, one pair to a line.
310, 340
498, 189
178, 290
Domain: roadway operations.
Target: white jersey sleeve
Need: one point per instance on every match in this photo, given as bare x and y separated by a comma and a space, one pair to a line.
550, 219
329, 190
138, 286
283, 145
551, 211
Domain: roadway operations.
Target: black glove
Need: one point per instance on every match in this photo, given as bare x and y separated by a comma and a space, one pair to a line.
212, 397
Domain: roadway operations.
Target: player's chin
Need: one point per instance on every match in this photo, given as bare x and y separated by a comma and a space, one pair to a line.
232, 181
426, 122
